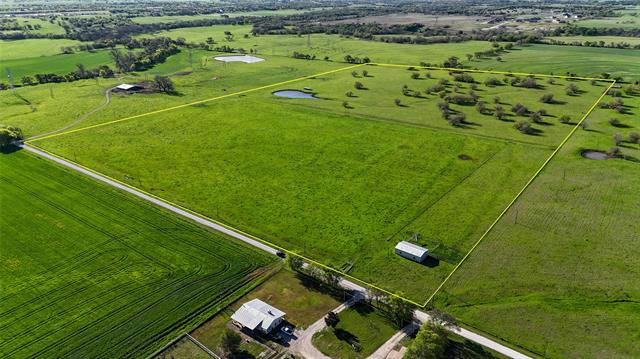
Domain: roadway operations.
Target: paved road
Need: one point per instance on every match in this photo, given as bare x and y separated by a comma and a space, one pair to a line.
387, 347
155, 201
421, 316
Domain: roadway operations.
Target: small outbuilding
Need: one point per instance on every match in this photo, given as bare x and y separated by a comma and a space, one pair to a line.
129, 87
257, 315
412, 251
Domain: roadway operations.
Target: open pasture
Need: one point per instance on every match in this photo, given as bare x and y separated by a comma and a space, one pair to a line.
60, 64
99, 273
334, 185
624, 21
176, 18
565, 258
28, 48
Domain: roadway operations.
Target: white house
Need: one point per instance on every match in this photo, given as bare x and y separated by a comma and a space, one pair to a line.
411, 251
259, 315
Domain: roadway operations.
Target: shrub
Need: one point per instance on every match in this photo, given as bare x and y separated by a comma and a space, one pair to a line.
345, 104
397, 102
542, 112
358, 85
529, 82
613, 151
572, 90
524, 127
349, 94
463, 77
634, 137
354, 73
519, 109
415, 75
547, 98
481, 107
457, 119
492, 81
535, 117
365, 73
614, 122
496, 99
551, 81
565, 119
617, 139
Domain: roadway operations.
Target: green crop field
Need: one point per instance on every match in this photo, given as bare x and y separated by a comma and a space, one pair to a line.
335, 184
565, 258
88, 271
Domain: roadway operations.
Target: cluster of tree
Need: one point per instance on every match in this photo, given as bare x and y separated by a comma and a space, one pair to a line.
152, 53
81, 73
299, 55
574, 30
600, 43
617, 105
11, 24
356, 60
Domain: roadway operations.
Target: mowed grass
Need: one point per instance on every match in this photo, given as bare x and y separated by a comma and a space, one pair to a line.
339, 189
564, 259
88, 271
607, 39
559, 60
360, 323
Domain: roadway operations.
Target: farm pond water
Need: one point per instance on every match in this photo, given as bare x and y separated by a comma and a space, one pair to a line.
295, 94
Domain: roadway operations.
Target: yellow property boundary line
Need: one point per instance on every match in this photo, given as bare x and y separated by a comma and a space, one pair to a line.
309, 260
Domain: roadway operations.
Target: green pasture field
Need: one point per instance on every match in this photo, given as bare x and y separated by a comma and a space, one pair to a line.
204, 80
625, 21
335, 186
565, 258
558, 60
175, 18
88, 271
46, 26
28, 48
607, 39
369, 328
60, 64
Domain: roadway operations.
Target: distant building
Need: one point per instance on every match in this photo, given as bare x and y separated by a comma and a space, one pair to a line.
258, 315
129, 88
412, 251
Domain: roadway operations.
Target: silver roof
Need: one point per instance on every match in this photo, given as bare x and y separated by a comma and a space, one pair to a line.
411, 248
257, 313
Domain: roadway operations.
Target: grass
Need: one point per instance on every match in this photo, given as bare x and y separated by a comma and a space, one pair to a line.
60, 64
46, 27
564, 259
243, 151
176, 18
584, 61
184, 349
362, 324
29, 48
625, 21
99, 272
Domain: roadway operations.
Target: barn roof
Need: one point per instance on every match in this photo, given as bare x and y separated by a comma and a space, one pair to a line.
411, 248
257, 313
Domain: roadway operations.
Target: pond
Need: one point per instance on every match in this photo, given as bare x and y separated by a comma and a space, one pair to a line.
295, 94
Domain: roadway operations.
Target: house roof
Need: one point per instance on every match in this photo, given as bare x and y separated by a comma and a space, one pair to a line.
126, 86
257, 313
412, 248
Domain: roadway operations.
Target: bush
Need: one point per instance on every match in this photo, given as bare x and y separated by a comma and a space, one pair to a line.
617, 139
547, 98
529, 82
415, 75
519, 109
492, 81
565, 119
634, 137
463, 77
349, 94
572, 90
524, 127
457, 119
535, 117
397, 102
614, 122
358, 85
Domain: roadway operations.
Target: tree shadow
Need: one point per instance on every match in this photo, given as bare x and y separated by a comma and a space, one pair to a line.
9, 149
345, 336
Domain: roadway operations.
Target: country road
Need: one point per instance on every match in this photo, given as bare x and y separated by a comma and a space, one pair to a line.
360, 291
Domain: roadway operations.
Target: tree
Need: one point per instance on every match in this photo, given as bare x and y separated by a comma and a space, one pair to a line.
415, 75
442, 318
358, 85
499, 112
349, 94
164, 84
519, 109
529, 82
469, 57
331, 319
535, 117
354, 73
27, 80
614, 122
230, 343
294, 262
496, 100
481, 107
9, 134
365, 73
634, 137
397, 102
400, 311
345, 104
617, 139
430, 343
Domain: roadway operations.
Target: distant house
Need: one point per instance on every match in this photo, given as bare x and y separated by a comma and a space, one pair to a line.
258, 315
129, 87
412, 251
